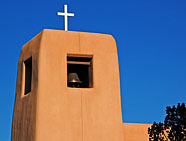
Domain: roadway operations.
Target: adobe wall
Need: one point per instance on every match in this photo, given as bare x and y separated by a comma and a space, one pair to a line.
135, 131
68, 114
24, 116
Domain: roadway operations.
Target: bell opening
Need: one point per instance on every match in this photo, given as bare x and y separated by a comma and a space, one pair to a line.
79, 72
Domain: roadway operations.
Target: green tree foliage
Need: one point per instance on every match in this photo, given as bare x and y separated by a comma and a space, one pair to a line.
174, 126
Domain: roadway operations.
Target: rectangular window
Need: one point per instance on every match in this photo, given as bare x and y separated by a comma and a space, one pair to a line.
79, 71
28, 75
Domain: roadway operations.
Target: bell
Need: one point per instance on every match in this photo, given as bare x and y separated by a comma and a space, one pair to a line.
73, 78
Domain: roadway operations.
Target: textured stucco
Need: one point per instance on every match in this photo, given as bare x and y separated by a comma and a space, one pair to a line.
24, 117
136, 131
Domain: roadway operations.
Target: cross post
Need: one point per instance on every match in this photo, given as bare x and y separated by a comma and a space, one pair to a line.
65, 14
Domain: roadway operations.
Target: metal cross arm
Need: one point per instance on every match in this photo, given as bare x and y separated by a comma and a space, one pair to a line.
66, 15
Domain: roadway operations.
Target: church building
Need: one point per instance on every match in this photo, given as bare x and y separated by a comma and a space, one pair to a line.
68, 89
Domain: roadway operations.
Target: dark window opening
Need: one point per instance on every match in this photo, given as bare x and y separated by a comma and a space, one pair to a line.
28, 75
79, 71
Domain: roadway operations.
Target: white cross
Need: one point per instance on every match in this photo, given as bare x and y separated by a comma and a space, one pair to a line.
65, 14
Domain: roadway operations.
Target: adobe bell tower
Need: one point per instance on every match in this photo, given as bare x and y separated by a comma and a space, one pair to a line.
49, 108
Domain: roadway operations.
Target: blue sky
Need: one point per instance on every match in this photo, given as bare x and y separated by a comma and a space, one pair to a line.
151, 41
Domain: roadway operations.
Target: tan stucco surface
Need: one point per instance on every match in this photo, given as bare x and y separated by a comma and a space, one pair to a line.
54, 112
24, 118
136, 131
